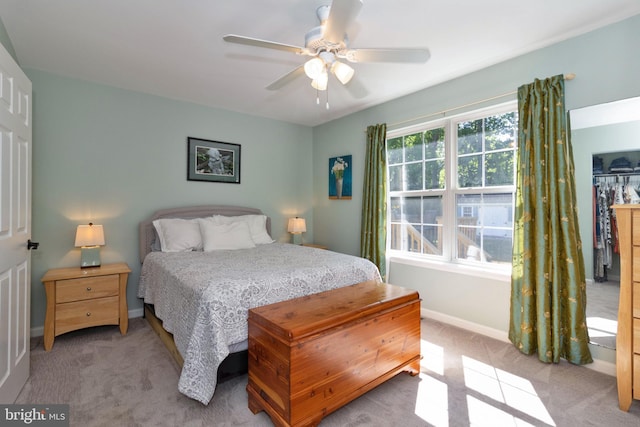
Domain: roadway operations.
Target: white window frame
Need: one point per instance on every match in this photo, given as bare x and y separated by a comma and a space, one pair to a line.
449, 260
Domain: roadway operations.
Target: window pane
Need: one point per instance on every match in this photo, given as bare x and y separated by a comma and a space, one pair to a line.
500, 131
498, 249
432, 239
499, 168
416, 224
485, 227
434, 143
414, 176
395, 209
467, 225
413, 147
432, 230
395, 178
412, 210
497, 211
432, 210
470, 137
470, 171
434, 174
394, 150
413, 241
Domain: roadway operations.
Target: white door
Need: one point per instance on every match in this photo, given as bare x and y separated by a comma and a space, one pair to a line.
15, 227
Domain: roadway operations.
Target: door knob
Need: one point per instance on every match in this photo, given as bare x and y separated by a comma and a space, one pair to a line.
32, 245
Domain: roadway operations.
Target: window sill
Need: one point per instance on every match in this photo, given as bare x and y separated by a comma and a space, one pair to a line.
500, 274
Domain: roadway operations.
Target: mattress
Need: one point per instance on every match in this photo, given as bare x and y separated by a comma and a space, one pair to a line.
203, 298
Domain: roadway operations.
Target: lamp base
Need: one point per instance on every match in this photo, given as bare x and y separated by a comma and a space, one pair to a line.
90, 256
296, 239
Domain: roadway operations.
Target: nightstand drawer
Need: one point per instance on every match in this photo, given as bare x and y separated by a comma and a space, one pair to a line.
636, 376
635, 237
636, 337
82, 297
86, 288
635, 307
635, 266
82, 314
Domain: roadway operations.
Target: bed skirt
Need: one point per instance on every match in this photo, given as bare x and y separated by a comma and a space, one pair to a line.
234, 365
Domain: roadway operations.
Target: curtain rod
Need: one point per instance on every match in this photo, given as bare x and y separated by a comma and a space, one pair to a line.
568, 76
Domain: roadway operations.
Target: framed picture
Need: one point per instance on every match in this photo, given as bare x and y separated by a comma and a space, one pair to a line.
213, 161
340, 177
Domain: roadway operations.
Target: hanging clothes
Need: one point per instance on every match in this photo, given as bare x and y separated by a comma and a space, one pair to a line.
607, 191
603, 251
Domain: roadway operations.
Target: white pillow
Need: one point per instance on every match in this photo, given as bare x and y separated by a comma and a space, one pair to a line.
235, 235
178, 235
257, 226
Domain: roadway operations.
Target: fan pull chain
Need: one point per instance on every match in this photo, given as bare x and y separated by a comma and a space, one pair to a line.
327, 96
317, 97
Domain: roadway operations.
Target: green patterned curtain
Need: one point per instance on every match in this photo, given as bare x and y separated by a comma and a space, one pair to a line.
373, 236
548, 287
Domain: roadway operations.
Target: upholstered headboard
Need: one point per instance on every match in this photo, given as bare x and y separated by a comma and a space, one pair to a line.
148, 232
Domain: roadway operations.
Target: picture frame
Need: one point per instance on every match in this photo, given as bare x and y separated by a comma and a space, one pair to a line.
213, 161
340, 177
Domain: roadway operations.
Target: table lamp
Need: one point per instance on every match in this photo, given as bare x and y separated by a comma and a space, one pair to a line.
89, 238
296, 227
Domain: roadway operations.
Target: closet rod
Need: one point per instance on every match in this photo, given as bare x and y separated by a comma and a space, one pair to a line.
568, 76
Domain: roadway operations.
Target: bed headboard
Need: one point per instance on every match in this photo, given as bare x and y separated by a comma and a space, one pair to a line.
148, 232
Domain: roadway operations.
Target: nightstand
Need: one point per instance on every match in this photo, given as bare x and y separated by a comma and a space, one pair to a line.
83, 297
313, 245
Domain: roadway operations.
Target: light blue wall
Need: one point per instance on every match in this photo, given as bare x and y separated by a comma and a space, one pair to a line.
113, 157
606, 70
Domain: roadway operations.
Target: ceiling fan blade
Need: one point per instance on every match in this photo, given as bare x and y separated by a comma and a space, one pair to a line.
250, 41
341, 14
388, 55
356, 88
287, 78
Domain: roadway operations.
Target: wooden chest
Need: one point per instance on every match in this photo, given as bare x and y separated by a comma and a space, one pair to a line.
311, 355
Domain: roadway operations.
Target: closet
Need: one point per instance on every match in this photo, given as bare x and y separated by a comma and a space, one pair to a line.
616, 181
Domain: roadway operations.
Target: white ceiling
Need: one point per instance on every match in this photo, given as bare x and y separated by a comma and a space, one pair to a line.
174, 48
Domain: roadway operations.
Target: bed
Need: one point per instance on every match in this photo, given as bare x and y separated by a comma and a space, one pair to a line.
201, 290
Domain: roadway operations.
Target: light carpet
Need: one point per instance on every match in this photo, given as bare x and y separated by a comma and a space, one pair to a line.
466, 379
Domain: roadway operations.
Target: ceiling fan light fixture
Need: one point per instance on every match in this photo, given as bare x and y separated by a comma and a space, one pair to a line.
314, 67
342, 71
320, 82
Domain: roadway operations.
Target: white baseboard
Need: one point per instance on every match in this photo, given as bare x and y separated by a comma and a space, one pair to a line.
603, 367
597, 365
38, 331
138, 312
465, 324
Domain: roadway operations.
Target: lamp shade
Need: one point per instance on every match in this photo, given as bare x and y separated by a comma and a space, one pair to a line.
89, 235
320, 82
342, 71
314, 67
297, 225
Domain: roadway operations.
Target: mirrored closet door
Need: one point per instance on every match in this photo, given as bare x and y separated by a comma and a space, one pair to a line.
609, 136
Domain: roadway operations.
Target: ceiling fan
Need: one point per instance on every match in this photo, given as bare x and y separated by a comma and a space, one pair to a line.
327, 44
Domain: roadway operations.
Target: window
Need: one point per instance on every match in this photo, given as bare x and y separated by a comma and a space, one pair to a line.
451, 187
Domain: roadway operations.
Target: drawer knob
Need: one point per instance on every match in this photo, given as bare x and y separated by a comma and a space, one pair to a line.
89, 288
88, 313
